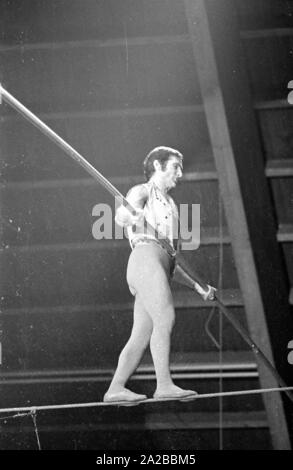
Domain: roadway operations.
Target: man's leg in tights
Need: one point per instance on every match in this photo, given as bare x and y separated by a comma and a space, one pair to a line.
151, 282
134, 348
153, 320
158, 302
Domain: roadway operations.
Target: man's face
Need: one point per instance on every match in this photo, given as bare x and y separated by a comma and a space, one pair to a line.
172, 172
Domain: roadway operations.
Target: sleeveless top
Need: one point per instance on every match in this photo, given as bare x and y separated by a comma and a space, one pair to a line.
161, 212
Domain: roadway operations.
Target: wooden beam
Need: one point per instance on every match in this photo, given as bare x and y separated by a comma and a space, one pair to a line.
207, 172
96, 43
138, 112
266, 33
272, 104
204, 173
133, 41
285, 233
239, 161
279, 168
101, 376
157, 422
209, 236
231, 298
291, 296
112, 113
232, 362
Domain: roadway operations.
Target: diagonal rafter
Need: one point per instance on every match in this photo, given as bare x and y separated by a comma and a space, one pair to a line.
237, 152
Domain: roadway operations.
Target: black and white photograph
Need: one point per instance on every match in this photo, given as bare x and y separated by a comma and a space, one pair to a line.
146, 228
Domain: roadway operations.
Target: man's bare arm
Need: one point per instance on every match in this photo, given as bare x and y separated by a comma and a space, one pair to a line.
136, 197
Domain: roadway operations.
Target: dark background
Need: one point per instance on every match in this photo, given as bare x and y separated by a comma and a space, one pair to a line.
115, 79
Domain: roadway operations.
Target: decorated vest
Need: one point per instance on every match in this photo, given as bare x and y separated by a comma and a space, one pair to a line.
161, 212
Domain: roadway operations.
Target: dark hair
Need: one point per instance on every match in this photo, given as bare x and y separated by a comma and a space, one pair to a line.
162, 154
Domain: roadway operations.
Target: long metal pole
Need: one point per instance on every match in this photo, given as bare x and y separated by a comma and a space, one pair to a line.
47, 131
32, 118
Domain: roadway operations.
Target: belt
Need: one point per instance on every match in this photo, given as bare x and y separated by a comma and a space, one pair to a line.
145, 240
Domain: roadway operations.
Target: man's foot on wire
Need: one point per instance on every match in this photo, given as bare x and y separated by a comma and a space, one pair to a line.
123, 395
174, 392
